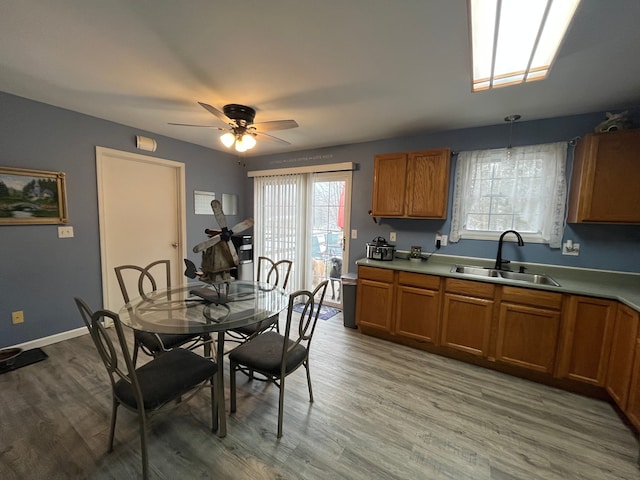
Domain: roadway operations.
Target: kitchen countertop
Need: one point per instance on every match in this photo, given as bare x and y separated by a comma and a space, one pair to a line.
621, 286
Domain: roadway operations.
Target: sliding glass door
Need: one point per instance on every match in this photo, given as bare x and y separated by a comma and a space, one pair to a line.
328, 222
303, 217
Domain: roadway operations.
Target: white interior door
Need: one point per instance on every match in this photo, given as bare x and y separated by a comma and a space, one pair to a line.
142, 215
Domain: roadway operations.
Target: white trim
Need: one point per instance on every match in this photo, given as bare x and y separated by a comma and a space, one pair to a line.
58, 337
330, 167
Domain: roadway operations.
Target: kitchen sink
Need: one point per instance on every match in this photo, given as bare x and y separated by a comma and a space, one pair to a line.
535, 278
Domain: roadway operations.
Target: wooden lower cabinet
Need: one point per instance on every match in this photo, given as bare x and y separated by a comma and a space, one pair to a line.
374, 302
586, 339
633, 405
417, 306
623, 344
528, 328
466, 316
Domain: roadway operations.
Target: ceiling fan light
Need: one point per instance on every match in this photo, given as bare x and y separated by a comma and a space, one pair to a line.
240, 147
248, 141
227, 139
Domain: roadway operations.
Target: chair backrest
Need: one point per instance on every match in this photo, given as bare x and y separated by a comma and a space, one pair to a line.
275, 273
110, 353
300, 330
142, 277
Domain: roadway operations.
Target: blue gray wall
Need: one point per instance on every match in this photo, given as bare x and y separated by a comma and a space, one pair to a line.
609, 247
41, 274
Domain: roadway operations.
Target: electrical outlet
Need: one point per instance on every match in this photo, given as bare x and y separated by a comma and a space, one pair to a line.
392, 236
441, 240
17, 317
570, 248
65, 232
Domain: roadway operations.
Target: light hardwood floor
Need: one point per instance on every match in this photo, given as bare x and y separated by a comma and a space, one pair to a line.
381, 411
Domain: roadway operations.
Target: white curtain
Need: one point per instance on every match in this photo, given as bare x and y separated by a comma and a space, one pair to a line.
531, 177
280, 216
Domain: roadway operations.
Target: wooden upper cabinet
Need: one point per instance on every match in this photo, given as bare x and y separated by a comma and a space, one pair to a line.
428, 183
412, 185
389, 184
604, 182
586, 339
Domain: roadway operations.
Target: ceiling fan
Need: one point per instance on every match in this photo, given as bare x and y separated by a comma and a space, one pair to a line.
241, 130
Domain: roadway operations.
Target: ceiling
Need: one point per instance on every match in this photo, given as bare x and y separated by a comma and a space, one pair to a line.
347, 71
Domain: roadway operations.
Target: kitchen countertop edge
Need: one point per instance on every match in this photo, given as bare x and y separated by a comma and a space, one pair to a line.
621, 286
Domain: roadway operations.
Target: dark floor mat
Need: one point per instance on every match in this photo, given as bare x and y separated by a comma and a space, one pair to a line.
25, 358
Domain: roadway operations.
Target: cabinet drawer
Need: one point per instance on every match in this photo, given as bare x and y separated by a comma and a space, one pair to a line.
419, 280
466, 287
379, 274
528, 296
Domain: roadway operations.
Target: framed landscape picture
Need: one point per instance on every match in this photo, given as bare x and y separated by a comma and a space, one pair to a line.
32, 197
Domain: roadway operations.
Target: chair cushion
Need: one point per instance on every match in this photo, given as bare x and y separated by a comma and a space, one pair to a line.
256, 327
264, 353
167, 377
150, 340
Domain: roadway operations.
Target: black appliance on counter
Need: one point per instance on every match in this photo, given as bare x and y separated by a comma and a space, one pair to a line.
244, 247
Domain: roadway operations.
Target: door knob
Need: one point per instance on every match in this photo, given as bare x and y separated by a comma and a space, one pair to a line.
175, 244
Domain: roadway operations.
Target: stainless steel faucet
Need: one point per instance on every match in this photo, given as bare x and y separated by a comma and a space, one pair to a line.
499, 260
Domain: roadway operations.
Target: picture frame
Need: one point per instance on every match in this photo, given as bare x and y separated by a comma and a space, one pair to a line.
32, 197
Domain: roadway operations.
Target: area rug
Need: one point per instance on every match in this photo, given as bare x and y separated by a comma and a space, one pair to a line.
325, 312
25, 358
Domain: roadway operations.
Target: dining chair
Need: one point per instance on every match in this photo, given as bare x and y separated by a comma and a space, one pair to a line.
173, 377
274, 273
276, 356
153, 344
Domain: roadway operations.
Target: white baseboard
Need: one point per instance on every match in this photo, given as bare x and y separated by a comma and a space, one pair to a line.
58, 337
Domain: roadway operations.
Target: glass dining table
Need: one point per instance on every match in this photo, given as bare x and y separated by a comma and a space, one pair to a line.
202, 309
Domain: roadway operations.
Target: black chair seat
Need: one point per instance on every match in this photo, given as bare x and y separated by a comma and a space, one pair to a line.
167, 377
264, 354
165, 341
249, 330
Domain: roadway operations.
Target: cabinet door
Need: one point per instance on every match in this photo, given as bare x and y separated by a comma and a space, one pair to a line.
625, 334
428, 183
466, 323
586, 339
374, 304
604, 180
417, 311
633, 406
528, 337
389, 185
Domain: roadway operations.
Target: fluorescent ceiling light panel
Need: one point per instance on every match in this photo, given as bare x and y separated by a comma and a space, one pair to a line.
515, 41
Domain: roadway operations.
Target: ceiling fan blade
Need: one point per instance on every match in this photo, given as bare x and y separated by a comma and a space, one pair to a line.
191, 125
275, 125
216, 112
206, 244
266, 136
